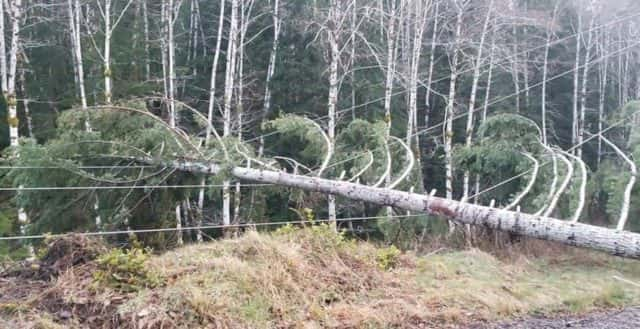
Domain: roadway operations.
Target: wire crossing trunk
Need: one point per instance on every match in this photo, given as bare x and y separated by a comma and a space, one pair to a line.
616, 242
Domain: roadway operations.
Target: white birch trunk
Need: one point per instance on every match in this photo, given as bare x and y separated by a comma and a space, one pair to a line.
147, 53
389, 78
228, 96
487, 95
545, 74
15, 13
171, 65
583, 91
474, 91
266, 107
3, 53
626, 201
576, 82
107, 52
616, 242
603, 91
333, 90
448, 137
432, 54
212, 100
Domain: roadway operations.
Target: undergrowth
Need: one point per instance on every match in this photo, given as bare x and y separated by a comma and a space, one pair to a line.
314, 277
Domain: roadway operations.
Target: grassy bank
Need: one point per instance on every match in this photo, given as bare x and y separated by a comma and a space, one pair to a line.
314, 278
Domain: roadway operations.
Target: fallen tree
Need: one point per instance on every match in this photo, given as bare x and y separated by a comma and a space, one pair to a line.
617, 242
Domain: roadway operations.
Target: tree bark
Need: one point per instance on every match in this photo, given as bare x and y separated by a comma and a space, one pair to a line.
616, 242
448, 137
3, 53
228, 96
583, 91
576, 82
474, 91
266, 107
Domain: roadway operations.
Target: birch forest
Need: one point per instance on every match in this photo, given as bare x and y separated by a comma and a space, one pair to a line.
119, 110
319, 164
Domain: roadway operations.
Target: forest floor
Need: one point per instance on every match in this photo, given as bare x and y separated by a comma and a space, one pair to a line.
314, 278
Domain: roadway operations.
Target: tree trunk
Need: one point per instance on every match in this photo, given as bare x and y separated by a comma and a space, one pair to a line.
474, 91
107, 52
616, 242
448, 137
333, 90
3, 53
583, 91
432, 54
25, 102
576, 82
603, 91
171, 65
545, 74
147, 53
15, 13
212, 100
228, 96
266, 107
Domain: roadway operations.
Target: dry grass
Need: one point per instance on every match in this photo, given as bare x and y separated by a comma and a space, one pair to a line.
314, 278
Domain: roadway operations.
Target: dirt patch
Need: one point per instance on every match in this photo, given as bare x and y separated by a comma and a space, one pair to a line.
58, 287
60, 254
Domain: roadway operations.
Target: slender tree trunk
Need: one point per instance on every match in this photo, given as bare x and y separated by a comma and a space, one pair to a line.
603, 90
333, 90
432, 54
3, 53
583, 91
15, 14
147, 53
545, 73
266, 107
421, 10
107, 52
228, 95
25, 101
245, 14
487, 96
525, 61
74, 25
448, 138
212, 100
576, 82
474, 90
391, 40
515, 61
173, 116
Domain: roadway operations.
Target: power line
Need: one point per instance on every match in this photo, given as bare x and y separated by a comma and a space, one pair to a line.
202, 227
118, 187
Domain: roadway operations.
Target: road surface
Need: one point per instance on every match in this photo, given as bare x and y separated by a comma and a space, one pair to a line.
621, 319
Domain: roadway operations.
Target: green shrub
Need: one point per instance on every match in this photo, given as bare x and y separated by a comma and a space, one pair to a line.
125, 270
387, 258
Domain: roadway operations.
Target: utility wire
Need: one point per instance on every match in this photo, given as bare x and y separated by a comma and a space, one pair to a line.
201, 227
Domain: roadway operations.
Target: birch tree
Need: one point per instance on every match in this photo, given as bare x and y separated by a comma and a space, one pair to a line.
211, 105
107, 10
230, 74
545, 72
585, 79
474, 89
266, 107
459, 6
